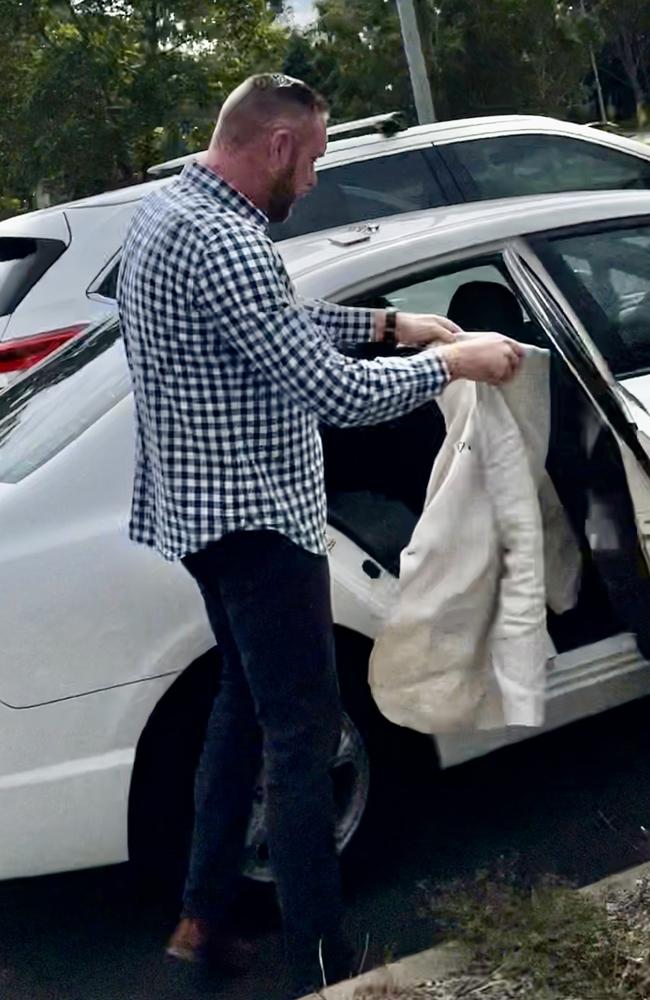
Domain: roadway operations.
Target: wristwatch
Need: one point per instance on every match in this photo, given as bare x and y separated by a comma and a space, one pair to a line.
390, 327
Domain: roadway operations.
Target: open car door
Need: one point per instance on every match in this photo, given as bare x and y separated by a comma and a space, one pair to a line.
603, 440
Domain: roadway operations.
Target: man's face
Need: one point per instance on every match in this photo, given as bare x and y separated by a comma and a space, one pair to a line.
298, 176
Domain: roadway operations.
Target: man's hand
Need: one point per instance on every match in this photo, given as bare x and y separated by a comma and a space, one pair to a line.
489, 357
415, 330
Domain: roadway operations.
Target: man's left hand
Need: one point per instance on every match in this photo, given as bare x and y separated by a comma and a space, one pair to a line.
415, 330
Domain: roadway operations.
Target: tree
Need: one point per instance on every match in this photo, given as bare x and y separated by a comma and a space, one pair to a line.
626, 27
511, 55
96, 90
508, 55
357, 51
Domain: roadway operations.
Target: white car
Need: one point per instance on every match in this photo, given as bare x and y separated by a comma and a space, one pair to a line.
58, 266
108, 665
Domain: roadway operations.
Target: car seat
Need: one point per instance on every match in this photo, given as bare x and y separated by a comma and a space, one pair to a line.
488, 305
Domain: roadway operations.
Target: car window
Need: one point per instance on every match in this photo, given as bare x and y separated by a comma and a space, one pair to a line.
23, 262
605, 275
502, 166
55, 402
477, 295
434, 295
108, 286
367, 189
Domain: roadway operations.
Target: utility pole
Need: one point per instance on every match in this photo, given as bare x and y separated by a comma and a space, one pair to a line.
415, 59
599, 89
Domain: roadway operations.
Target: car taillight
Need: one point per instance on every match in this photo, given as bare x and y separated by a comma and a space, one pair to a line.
17, 355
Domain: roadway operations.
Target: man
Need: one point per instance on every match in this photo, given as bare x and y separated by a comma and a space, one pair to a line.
232, 374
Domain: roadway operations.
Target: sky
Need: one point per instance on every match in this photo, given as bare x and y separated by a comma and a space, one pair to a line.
303, 10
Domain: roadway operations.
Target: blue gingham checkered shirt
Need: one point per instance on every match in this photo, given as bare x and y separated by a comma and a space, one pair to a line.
232, 373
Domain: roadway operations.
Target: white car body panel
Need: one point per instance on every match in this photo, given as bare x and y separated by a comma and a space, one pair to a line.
60, 298
639, 386
121, 623
581, 683
50, 224
136, 613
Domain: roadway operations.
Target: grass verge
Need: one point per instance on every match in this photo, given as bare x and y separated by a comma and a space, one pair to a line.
538, 942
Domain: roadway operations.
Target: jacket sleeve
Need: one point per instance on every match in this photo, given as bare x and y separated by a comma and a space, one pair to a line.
258, 315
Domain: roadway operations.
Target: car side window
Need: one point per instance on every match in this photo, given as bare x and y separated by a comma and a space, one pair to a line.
434, 295
503, 166
108, 287
605, 275
366, 189
477, 296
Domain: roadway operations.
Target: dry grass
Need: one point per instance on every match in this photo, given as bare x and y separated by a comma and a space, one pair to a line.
543, 942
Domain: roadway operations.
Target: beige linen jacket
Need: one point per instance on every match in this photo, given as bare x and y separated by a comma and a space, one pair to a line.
467, 645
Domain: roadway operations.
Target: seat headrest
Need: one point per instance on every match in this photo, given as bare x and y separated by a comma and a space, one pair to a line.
486, 305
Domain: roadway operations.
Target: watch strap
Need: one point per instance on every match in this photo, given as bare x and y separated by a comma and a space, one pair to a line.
390, 327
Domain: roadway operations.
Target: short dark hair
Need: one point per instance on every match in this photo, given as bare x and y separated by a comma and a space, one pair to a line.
262, 100
290, 89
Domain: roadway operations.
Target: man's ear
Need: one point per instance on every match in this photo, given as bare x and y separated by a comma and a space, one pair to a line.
282, 144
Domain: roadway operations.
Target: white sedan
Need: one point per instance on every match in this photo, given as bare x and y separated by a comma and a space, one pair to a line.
108, 666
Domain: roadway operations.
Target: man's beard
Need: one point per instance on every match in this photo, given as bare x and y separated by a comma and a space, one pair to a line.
282, 196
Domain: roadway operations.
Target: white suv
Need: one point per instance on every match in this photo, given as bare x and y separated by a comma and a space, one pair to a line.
58, 266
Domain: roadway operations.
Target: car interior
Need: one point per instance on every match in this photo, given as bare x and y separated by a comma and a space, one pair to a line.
376, 479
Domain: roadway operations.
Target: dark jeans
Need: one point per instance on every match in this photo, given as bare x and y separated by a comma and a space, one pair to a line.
268, 602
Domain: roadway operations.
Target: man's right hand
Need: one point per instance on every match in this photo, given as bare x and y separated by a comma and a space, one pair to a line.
485, 357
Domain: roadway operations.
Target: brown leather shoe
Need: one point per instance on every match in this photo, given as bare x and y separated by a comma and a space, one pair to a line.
197, 940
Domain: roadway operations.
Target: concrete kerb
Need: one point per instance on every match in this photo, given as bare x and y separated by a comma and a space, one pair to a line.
447, 959
444, 960
621, 881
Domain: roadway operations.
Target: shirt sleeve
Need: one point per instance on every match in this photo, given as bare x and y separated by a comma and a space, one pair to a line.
344, 325
260, 318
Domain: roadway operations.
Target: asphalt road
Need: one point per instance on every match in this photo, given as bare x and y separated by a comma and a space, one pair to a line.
574, 803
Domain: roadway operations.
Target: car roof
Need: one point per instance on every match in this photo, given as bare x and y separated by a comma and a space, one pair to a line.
455, 227
358, 147
455, 129
340, 148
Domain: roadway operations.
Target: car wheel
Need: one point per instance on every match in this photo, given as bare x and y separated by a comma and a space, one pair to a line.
351, 779
371, 752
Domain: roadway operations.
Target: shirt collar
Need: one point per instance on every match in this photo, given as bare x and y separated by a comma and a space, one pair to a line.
208, 181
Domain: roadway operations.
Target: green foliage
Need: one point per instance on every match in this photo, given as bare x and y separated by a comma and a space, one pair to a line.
625, 27
358, 52
550, 939
94, 91
517, 55
505, 56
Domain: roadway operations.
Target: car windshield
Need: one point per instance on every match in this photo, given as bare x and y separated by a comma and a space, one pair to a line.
604, 272
58, 400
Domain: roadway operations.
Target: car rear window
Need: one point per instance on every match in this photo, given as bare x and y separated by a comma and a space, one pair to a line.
508, 165
23, 261
54, 403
